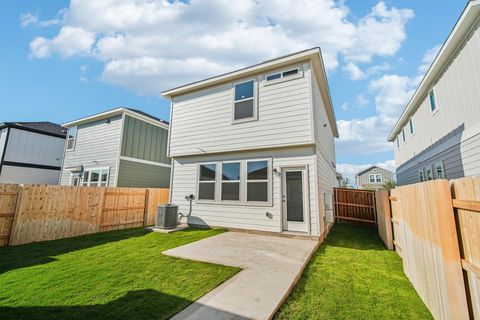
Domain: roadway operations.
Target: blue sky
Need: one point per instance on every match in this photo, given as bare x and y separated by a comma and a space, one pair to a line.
62, 60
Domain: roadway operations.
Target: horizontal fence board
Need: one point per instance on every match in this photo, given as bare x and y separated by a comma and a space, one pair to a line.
31, 213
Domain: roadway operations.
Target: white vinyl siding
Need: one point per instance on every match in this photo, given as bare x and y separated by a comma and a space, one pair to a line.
456, 116
374, 178
249, 216
202, 120
97, 145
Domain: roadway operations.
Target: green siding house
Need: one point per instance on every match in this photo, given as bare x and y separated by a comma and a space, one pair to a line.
122, 147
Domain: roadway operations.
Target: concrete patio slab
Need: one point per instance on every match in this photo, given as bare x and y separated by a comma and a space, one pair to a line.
272, 266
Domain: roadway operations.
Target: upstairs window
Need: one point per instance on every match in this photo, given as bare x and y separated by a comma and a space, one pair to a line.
378, 178
439, 172
244, 101
71, 138
371, 178
433, 102
206, 181
421, 176
398, 143
410, 125
403, 136
429, 174
283, 74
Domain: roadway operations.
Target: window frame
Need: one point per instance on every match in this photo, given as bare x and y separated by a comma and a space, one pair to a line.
243, 184
436, 166
381, 179
88, 183
74, 139
215, 182
398, 143
231, 181
426, 173
370, 178
283, 78
421, 175
254, 99
433, 91
404, 137
411, 127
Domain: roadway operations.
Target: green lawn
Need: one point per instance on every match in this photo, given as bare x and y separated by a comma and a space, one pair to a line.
114, 275
353, 276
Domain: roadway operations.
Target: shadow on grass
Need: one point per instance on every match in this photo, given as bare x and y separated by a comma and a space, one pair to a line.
355, 237
44, 252
141, 304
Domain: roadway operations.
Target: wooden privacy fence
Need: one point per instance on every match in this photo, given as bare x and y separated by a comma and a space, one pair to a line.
354, 206
436, 232
30, 213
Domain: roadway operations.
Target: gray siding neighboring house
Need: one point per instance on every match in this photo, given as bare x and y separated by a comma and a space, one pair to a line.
438, 134
255, 147
31, 152
373, 178
122, 147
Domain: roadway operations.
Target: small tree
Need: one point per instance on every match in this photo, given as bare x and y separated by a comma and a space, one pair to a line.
390, 184
345, 183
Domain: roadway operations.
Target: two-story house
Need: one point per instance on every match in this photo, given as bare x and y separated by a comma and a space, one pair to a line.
122, 147
438, 134
255, 147
373, 177
31, 152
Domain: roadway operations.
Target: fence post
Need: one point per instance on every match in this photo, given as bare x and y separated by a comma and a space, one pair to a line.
101, 203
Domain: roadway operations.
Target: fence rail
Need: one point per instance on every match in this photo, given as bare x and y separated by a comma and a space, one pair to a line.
435, 228
30, 213
354, 206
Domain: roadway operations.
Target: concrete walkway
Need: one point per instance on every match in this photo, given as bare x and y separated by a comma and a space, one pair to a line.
271, 267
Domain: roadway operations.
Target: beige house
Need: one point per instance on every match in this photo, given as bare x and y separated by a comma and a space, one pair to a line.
438, 134
373, 178
255, 147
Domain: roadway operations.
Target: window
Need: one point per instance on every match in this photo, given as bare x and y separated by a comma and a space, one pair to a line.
410, 124
243, 182
421, 176
231, 181
371, 178
378, 178
283, 74
95, 177
244, 101
375, 178
71, 138
398, 143
429, 174
403, 136
257, 181
433, 102
75, 179
439, 173
206, 181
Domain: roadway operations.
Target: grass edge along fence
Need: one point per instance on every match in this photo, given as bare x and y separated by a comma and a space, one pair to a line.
31, 213
434, 227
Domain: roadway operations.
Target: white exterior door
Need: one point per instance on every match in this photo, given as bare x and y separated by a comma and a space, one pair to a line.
294, 199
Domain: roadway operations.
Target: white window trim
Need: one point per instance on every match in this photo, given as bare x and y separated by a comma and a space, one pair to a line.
231, 181
255, 102
426, 173
282, 78
411, 127
433, 112
215, 182
100, 177
381, 179
72, 176
370, 178
440, 164
243, 184
421, 175
74, 139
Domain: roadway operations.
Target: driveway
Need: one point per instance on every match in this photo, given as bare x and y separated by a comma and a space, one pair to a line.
271, 266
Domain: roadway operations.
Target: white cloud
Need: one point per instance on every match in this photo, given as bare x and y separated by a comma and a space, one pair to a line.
428, 58
130, 36
354, 71
29, 18
361, 101
344, 106
350, 170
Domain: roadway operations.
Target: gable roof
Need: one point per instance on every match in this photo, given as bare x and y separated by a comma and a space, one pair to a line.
370, 168
43, 127
119, 111
313, 54
455, 39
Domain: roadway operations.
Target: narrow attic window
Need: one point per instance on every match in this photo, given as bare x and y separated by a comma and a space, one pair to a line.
433, 102
403, 136
244, 101
71, 138
283, 74
410, 124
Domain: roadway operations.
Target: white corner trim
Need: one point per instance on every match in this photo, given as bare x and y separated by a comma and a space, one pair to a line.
153, 163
